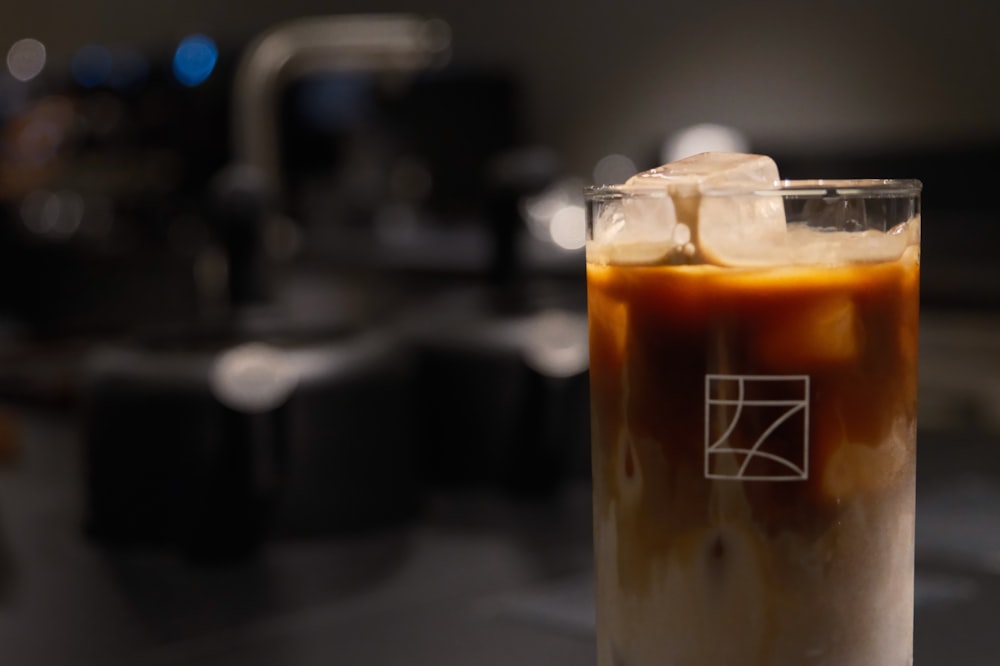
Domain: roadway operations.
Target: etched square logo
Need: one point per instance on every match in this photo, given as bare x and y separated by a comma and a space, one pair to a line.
757, 427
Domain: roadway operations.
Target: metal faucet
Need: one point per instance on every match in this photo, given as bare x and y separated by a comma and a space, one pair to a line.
356, 43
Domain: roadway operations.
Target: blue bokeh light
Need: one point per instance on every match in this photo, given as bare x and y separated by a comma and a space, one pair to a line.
195, 59
336, 102
91, 65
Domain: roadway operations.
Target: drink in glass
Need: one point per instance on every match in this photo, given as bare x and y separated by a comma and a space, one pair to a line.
753, 400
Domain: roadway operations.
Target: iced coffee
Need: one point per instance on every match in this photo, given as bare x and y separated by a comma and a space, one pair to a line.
753, 398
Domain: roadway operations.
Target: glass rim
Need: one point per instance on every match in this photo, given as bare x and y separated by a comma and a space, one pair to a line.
869, 188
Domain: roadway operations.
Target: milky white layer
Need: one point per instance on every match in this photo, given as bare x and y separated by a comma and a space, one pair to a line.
727, 594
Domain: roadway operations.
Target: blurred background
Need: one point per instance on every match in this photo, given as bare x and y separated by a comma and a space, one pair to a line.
293, 358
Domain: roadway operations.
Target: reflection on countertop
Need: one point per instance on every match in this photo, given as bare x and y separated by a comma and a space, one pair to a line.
477, 578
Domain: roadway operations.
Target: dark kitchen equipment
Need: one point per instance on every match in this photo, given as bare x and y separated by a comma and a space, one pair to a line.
209, 449
214, 435
502, 366
503, 395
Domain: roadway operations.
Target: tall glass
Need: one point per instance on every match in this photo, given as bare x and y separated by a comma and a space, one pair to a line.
754, 426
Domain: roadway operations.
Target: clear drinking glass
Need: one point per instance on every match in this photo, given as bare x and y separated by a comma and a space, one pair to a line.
753, 407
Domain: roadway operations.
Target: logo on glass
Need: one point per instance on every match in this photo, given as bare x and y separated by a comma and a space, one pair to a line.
757, 427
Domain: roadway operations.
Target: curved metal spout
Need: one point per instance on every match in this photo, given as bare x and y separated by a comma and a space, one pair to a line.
360, 43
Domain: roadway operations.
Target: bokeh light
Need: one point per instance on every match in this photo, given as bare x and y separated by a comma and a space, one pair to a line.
539, 210
436, 35
34, 139
55, 215
569, 227
194, 59
336, 102
26, 59
253, 378
702, 138
613, 170
557, 344
91, 65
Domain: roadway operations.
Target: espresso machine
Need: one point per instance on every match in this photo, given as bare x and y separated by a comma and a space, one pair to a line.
372, 322
256, 420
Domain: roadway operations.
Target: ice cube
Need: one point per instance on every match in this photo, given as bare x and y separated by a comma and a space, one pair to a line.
734, 228
691, 175
633, 230
806, 245
742, 229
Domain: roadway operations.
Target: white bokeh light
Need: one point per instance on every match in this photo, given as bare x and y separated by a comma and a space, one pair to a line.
55, 215
568, 227
26, 59
557, 343
613, 169
253, 378
703, 138
540, 210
